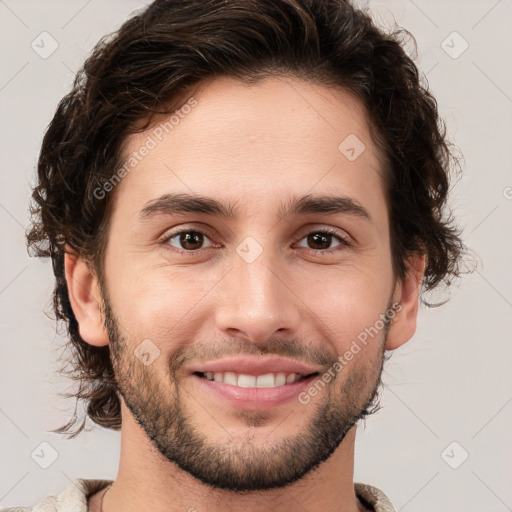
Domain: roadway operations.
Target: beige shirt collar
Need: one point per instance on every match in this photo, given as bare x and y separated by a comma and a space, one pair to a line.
74, 498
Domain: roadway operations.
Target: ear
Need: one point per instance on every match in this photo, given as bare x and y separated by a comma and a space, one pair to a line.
85, 298
407, 294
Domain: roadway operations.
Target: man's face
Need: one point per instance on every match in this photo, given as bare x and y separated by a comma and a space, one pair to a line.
250, 286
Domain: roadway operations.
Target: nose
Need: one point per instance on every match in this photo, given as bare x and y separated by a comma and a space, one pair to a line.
256, 301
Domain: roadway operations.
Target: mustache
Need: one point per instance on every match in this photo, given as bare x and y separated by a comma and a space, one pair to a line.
220, 349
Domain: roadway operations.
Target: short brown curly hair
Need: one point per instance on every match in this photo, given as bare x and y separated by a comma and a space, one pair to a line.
141, 70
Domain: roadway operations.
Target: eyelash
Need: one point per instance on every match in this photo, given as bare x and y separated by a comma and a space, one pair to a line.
344, 242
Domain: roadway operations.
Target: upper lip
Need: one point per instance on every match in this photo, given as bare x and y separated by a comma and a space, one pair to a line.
252, 366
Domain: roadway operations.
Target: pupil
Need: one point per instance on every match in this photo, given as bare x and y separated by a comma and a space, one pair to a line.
193, 238
190, 238
320, 239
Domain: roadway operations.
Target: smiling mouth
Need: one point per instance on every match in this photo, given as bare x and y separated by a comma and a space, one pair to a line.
267, 380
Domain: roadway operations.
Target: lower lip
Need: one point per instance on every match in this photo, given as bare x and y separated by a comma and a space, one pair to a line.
255, 398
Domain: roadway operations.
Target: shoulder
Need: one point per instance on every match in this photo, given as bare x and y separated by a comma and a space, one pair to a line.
73, 497
374, 497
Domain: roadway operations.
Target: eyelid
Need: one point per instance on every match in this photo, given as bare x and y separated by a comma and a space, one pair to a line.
171, 233
344, 238
328, 229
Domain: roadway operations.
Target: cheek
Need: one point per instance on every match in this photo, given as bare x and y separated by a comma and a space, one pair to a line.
158, 302
349, 306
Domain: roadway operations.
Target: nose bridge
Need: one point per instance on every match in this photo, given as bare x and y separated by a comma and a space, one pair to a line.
255, 300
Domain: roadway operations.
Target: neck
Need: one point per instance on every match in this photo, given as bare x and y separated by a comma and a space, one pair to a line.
148, 481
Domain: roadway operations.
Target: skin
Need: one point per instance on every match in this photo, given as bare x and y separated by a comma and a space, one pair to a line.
255, 146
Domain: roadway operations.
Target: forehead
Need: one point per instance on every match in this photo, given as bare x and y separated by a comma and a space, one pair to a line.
257, 141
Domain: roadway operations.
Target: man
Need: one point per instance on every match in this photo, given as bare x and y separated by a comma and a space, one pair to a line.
242, 201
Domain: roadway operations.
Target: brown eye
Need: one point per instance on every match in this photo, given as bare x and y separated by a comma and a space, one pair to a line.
321, 241
187, 240
191, 240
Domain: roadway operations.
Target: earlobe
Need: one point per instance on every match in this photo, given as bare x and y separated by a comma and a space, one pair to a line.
407, 294
85, 298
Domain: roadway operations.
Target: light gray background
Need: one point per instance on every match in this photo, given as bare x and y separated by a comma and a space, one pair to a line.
452, 382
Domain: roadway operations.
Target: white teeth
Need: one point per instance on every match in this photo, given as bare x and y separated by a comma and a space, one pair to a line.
291, 378
280, 379
231, 378
246, 381
268, 380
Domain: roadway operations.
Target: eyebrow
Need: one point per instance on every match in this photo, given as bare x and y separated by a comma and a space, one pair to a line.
304, 205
